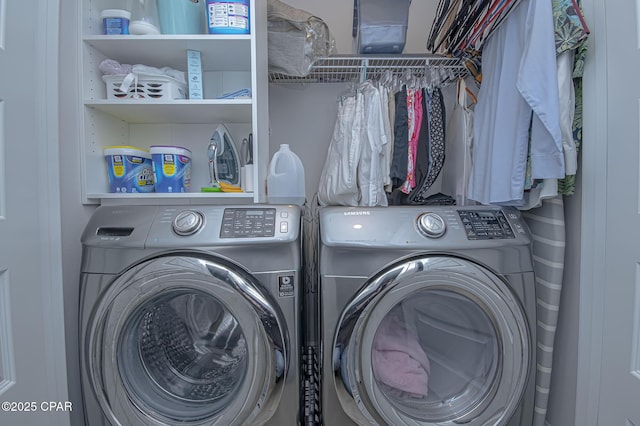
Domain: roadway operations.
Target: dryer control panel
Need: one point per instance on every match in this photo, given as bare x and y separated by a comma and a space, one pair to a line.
485, 224
423, 227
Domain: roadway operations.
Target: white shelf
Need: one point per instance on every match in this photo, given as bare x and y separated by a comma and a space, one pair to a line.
219, 53
164, 195
178, 111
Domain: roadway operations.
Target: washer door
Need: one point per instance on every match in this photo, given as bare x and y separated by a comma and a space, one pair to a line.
432, 341
187, 340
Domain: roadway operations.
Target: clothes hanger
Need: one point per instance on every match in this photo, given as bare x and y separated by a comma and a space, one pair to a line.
381, 81
395, 83
405, 78
477, 10
458, 15
387, 78
350, 92
493, 16
446, 14
485, 36
445, 77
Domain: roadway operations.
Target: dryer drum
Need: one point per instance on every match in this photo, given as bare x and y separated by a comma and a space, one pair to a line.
433, 351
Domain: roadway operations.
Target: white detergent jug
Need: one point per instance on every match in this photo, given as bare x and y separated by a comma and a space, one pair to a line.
285, 181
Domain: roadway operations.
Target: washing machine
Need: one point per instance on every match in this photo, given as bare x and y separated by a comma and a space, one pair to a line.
427, 316
191, 315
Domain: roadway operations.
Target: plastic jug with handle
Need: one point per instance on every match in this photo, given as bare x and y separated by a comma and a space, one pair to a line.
285, 181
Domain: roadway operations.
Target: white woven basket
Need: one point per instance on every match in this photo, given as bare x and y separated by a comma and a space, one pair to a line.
148, 87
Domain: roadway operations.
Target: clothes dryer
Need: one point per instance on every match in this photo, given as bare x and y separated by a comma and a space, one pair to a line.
427, 316
191, 315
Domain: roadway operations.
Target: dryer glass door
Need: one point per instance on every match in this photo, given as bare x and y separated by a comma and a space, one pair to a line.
187, 340
431, 341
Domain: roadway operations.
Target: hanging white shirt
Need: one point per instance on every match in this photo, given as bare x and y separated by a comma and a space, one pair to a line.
519, 92
370, 167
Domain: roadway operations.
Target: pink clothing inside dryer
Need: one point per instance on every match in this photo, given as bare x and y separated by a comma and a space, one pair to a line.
397, 358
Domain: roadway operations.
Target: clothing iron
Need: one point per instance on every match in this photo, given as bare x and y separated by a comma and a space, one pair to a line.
227, 159
224, 165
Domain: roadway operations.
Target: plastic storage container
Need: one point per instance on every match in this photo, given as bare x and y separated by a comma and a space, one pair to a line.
147, 87
380, 26
296, 38
171, 168
181, 16
129, 169
115, 21
285, 181
228, 17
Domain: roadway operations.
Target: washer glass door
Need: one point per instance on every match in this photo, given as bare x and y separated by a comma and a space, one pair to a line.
187, 340
434, 340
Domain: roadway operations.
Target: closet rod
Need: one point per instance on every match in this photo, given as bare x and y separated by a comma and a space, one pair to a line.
344, 68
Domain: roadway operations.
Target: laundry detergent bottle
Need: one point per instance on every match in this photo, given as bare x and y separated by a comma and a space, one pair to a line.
285, 181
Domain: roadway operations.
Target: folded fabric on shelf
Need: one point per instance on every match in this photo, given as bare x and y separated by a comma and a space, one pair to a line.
238, 94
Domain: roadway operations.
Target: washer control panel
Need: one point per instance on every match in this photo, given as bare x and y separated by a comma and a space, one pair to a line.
187, 222
250, 223
485, 224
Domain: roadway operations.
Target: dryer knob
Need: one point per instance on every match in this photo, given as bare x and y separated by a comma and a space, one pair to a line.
432, 225
187, 222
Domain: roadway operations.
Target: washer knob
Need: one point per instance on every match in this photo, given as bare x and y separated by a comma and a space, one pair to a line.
432, 225
187, 222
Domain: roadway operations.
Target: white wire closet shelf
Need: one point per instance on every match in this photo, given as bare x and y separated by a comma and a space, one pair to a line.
347, 69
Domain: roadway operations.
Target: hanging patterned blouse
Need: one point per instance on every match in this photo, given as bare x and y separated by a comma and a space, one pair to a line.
571, 32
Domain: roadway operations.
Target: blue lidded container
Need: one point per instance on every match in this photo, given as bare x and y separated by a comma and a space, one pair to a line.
129, 169
171, 168
115, 21
228, 17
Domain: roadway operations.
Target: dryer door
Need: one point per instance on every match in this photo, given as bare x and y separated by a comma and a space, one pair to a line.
188, 340
432, 341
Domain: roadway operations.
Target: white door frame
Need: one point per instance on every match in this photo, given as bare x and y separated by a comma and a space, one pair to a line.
47, 83
49, 160
594, 214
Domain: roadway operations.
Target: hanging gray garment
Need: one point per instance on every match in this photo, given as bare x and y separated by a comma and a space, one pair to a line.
436, 121
400, 139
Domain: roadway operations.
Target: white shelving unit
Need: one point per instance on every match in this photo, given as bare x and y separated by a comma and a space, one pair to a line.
229, 63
